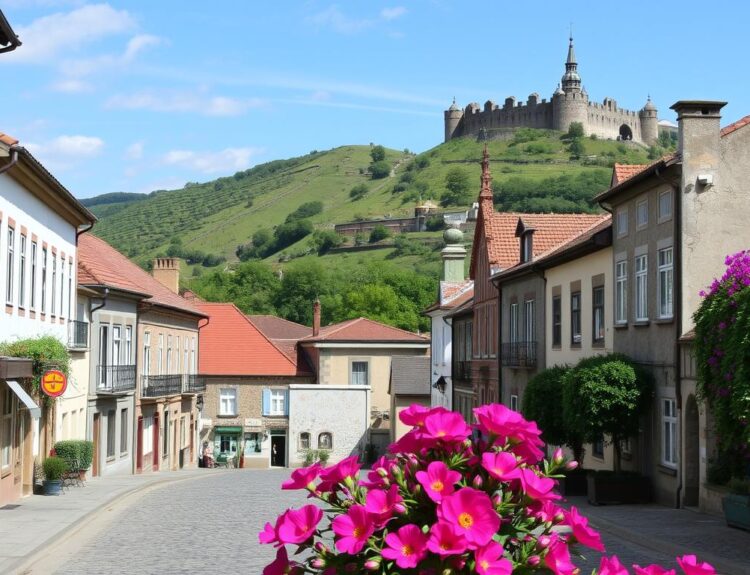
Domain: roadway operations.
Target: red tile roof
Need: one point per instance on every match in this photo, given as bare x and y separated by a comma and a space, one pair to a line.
279, 328
733, 127
231, 345
364, 330
452, 294
624, 171
7, 139
99, 264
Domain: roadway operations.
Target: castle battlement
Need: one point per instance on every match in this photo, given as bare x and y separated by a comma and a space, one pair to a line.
569, 103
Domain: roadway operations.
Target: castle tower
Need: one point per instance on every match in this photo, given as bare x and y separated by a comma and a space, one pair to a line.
649, 123
570, 102
453, 116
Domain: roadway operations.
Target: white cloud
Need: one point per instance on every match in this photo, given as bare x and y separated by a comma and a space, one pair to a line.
196, 102
332, 17
229, 159
64, 152
134, 151
137, 44
392, 13
72, 86
50, 36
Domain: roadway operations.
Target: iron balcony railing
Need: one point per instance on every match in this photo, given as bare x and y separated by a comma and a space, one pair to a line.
462, 370
519, 354
193, 383
115, 378
161, 385
78, 334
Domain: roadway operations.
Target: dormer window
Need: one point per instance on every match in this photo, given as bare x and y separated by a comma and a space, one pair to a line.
527, 246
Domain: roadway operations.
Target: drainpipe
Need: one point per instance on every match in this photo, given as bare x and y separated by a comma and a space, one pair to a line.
97, 308
13, 160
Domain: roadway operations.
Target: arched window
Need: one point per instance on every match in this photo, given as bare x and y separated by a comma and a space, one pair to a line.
325, 440
304, 440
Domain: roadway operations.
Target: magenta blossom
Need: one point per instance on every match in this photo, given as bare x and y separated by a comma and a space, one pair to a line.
537, 487
490, 562
415, 414
611, 566
407, 546
438, 480
652, 570
558, 557
353, 529
445, 541
282, 565
303, 478
471, 513
346, 469
382, 504
689, 564
446, 426
268, 535
298, 525
584, 534
502, 465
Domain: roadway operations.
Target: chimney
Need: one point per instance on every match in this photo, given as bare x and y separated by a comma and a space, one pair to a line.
316, 317
699, 131
454, 255
167, 272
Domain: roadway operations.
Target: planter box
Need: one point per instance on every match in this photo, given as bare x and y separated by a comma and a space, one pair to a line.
52, 486
574, 483
608, 488
737, 510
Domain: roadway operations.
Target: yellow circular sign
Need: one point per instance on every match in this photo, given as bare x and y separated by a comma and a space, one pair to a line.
54, 383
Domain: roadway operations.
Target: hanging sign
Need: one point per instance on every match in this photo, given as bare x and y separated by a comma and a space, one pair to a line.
54, 383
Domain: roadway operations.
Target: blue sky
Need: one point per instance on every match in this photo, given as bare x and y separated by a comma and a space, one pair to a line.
142, 95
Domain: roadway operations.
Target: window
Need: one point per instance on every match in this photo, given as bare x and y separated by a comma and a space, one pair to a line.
160, 356
185, 352
169, 354
665, 282
53, 291
148, 434
513, 323
622, 222
228, 402
62, 287
597, 447
146, 353
621, 292
177, 355
359, 373
304, 440
514, 402
183, 434
9, 276
641, 287
528, 311
598, 314
165, 435
116, 344
22, 273
128, 344
278, 402
556, 321
103, 351
253, 443
70, 287
527, 247
6, 429
123, 431
575, 318
193, 367
44, 279
669, 433
665, 205
325, 440
111, 421
641, 214
32, 299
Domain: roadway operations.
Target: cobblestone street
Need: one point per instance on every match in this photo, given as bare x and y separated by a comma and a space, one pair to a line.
210, 525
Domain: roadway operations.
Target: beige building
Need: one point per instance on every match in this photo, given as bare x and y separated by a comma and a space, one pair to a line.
409, 385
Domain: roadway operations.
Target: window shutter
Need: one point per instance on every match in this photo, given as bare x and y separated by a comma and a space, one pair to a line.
286, 402
266, 401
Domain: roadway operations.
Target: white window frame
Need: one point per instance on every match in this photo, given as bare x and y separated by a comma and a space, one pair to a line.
622, 222
513, 325
22, 272
70, 288
53, 291
169, 353
228, 401
576, 311
302, 436
116, 344
148, 434
641, 214
597, 315
193, 366
641, 287
9, 278
665, 214
160, 356
621, 292
330, 443
185, 354
355, 376
44, 280
277, 402
62, 287
32, 298
529, 312
514, 402
128, 344
146, 353
665, 261
669, 432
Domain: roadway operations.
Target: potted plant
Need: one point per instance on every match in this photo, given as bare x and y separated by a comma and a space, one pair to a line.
605, 396
54, 468
736, 504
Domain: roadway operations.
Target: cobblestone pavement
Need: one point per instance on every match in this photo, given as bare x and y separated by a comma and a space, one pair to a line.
210, 525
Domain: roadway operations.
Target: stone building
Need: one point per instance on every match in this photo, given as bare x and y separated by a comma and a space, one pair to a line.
569, 103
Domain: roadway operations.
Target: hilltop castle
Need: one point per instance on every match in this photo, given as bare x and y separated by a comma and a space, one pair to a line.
570, 103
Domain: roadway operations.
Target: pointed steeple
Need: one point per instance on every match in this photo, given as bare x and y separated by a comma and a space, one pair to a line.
571, 81
486, 191
571, 52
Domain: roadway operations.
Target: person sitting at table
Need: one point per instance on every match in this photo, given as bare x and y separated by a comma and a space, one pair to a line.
208, 459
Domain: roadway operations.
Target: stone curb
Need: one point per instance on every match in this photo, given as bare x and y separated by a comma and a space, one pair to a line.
722, 565
24, 564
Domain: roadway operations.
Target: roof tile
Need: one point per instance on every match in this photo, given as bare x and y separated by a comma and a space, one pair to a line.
365, 330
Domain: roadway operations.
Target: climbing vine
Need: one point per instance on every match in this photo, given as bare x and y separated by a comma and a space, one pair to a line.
722, 344
46, 352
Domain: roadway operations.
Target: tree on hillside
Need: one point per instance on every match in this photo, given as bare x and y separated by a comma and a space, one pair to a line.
300, 286
252, 287
378, 233
324, 240
377, 153
261, 238
380, 169
576, 148
575, 130
458, 188
306, 210
358, 192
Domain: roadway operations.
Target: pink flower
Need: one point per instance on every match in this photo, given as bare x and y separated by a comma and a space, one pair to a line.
281, 565
354, 529
690, 565
611, 566
268, 535
408, 546
297, 526
438, 480
497, 419
380, 503
447, 426
445, 541
502, 466
471, 514
652, 570
584, 534
415, 414
489, 560
345, 469
537, 487
303, 478
558, 557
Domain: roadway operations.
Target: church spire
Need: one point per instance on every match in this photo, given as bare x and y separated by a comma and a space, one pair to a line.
571, 52
571, 81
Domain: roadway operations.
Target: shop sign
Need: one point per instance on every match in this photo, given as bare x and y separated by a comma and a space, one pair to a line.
54, 383
253, 422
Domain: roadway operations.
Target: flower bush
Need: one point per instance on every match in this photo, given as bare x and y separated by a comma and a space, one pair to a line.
722, 323
450, 498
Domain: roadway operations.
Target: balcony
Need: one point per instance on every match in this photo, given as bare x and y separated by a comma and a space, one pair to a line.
114, 379
192, 383
519, 354
462, 371
161, 385
78, 334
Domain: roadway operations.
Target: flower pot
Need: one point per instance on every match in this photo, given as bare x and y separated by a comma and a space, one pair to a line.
607, 488
82, 474
737, 510
52, 486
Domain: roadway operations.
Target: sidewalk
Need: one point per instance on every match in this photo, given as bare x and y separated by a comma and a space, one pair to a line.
674, 532
39, 520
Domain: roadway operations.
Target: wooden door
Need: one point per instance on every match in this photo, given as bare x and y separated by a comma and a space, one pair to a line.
95, 439
139, 446
157, 427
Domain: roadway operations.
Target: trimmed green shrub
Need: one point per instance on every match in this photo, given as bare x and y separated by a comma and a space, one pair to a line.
54, 468
78, 450
379, 232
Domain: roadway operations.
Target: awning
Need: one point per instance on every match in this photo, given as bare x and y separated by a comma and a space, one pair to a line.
228, 429
34, 409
